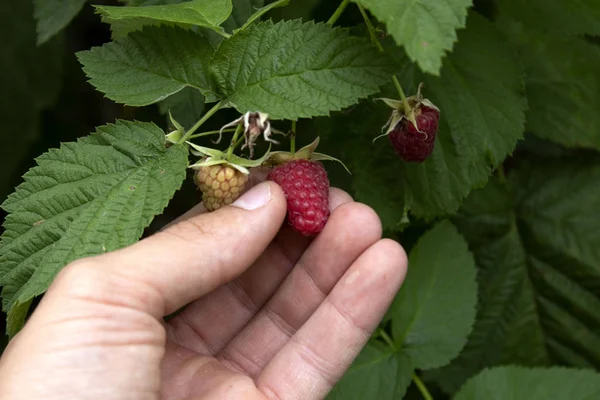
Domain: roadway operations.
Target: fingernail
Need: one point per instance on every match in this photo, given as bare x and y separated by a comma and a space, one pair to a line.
255, 198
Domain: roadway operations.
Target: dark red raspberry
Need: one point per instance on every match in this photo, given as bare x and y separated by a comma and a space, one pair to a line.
306, 188
412, 145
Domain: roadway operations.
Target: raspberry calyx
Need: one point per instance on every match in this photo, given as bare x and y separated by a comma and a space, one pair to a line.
221, 177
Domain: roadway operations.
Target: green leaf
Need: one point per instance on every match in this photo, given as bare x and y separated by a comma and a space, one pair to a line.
563, 85
54, 15
535, 242
186, 106
377, 373
204, 13
434, 311
372, 173
426, 29
518, 383
86, 198
293, 70
149, 66
556, 16
431, 318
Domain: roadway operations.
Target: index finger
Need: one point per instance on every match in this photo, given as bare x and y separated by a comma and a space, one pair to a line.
168, 270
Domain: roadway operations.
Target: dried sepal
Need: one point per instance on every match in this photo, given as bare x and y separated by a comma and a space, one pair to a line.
401, 113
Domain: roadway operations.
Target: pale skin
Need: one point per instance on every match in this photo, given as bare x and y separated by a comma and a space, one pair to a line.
270, 314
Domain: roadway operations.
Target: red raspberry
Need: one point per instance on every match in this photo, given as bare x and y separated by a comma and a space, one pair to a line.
306, 188
412, 145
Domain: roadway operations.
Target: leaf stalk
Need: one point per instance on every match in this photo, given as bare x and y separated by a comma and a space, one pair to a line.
293, 139
201, 121
421, 386
208, 133
387, 339
338, 12
234, 141
377, 44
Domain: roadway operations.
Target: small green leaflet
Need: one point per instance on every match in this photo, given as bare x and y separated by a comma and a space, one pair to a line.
557, 16
563, 84
54, 15
293, 70
86, 198
536, 245
148, 66
432, 316
518, 383
204, 13
426, 29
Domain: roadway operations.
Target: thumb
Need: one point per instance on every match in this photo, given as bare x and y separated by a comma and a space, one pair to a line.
170, 269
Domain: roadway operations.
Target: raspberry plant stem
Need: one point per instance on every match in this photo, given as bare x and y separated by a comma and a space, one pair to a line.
201, 121
222, 33
338, 12
208, 133
421, 386
239, 141
293, 139
418, 382
386, 338
400, 92
377, 44
234, 141
501, 174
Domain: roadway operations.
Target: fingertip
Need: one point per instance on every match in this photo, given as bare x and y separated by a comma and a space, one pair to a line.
393, 258
361, 218
337, 197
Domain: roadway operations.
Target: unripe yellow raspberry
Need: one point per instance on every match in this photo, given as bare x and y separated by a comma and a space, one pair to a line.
220, 185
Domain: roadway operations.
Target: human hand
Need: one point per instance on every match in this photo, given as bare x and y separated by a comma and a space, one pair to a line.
270, 315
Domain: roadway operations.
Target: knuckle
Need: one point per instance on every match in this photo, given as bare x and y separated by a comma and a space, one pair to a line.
82, 273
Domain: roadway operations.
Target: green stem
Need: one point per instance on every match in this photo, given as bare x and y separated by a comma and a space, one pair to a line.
293, 139
401, 92
377, 43
201, 121
338, 12
370, 28
234, 141
222, 33
238, 142
386, 338
208, 133
501, 174
422, 388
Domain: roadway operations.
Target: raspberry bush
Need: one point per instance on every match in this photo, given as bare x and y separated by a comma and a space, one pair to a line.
488, 175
